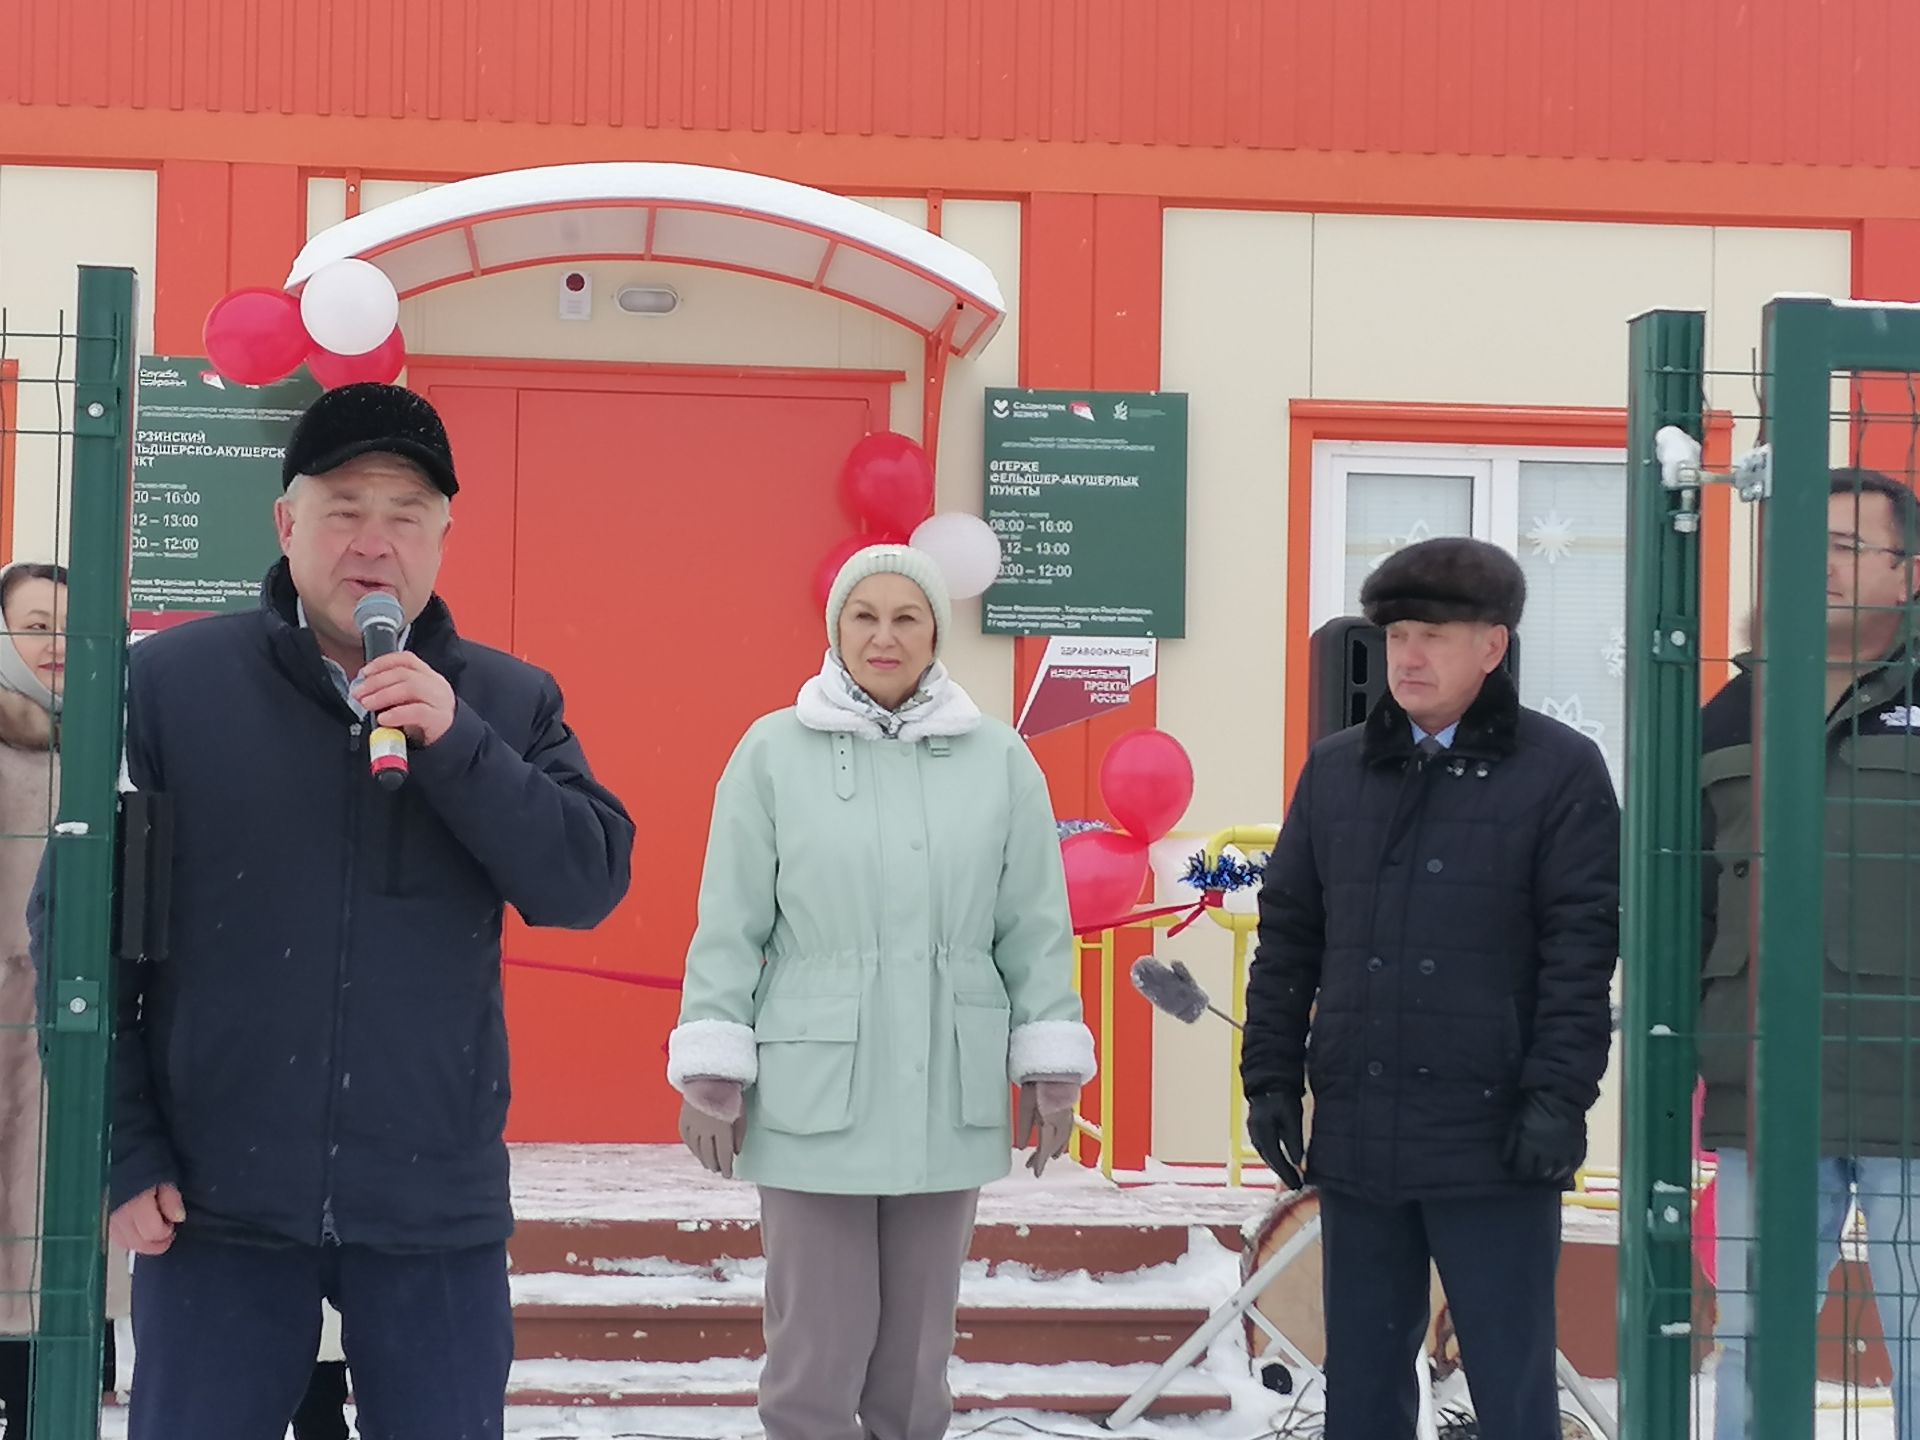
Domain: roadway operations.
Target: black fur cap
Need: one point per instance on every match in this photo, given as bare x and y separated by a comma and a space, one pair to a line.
1438, 581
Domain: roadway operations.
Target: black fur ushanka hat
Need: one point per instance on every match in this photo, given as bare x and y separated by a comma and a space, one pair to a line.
1452, 579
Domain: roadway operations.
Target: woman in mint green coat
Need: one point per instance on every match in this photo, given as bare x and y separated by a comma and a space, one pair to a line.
883, 945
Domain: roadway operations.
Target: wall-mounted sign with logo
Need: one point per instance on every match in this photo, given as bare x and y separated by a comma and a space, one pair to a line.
1087, 490
1084, 679
206, 471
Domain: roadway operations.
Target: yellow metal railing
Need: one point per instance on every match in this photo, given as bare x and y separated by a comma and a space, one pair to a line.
1242, 837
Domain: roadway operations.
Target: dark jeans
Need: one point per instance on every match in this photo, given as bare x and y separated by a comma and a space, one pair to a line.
225, 1337
1497, 1257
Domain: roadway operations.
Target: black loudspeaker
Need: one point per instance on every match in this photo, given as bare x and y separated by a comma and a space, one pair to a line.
1347, 673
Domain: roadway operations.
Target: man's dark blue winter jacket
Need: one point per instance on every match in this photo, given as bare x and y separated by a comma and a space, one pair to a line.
323, 1053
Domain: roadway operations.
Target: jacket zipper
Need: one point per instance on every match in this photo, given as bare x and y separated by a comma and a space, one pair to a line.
329, 1232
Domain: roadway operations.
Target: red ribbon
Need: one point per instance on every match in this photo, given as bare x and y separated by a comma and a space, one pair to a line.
624, 977
1189, 913
1211, 900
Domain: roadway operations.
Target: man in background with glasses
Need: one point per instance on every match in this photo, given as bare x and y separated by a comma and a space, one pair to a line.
1871, 1027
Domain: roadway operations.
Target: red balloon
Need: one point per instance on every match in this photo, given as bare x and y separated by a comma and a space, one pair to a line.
255, 336
1104, 874
381, 365
828, 570
887, 483
1146, 780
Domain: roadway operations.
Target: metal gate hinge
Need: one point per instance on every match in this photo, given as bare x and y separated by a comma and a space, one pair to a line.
1751, 476
1680, 469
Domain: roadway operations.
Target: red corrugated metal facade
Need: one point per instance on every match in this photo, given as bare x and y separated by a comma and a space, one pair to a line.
1792, 82
1095, 115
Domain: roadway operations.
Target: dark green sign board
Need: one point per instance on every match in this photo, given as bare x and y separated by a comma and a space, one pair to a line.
206, 471
1087, 490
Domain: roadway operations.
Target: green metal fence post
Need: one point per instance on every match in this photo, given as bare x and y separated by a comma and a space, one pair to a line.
1660, 879
67, 1396
1784, 1274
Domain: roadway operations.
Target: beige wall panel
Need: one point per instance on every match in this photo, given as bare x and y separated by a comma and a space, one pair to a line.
326, 203
53, 220
1414, 310
1750, 268
1235, 335
1512, 312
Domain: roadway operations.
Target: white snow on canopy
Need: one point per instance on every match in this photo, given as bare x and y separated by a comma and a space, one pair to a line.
684, 214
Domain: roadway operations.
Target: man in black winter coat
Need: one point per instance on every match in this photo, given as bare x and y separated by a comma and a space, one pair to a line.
311, 1086
1439, 924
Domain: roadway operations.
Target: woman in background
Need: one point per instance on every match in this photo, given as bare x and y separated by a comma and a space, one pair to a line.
33, 601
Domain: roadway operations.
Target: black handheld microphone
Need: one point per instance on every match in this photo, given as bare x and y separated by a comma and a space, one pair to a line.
380, 620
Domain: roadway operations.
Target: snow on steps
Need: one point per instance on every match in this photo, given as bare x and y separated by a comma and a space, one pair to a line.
577, 1205
638, 1281
1082, 1389
1006, 1315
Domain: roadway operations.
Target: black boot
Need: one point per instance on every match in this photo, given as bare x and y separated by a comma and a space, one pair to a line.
323, 1410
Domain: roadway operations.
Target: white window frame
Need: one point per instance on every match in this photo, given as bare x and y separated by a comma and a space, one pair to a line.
1493, 469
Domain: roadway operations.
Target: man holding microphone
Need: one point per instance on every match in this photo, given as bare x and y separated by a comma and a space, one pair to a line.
311, 1085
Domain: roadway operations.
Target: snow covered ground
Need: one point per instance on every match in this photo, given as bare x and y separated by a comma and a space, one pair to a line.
1255, 1416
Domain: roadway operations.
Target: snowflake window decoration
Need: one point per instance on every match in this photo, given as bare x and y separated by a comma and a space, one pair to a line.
1551, 536
1419, 531
1614, 654
1571, 713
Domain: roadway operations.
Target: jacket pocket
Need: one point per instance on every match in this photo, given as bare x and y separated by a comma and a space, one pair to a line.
807, 1046
981, 1029
1873, 846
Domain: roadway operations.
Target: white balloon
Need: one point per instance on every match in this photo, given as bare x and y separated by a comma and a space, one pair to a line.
964, 547
349, 307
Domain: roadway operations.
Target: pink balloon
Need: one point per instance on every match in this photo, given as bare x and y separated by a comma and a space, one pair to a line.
1146, 780
255, 336
381, 365
887, 483
1706, 1229
1104, 874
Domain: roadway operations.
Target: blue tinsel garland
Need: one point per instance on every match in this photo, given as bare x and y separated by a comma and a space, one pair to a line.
1229, 872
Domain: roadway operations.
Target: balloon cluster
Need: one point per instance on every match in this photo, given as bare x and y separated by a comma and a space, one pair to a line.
343, 325
1146, 780
886, 486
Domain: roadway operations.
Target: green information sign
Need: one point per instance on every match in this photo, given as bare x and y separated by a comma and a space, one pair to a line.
206, 471
1087, 490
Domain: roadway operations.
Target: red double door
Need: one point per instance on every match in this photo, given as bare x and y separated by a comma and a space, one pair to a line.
650, 538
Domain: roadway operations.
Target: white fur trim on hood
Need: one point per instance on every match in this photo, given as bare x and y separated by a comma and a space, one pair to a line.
712, 1050
1050, 1047
946, 709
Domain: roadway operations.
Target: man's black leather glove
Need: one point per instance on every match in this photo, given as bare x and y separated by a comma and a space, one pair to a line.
1548, 1140
1274, 1126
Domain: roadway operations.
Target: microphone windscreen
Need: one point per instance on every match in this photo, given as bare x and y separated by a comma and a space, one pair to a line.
1170, 989
378, 608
